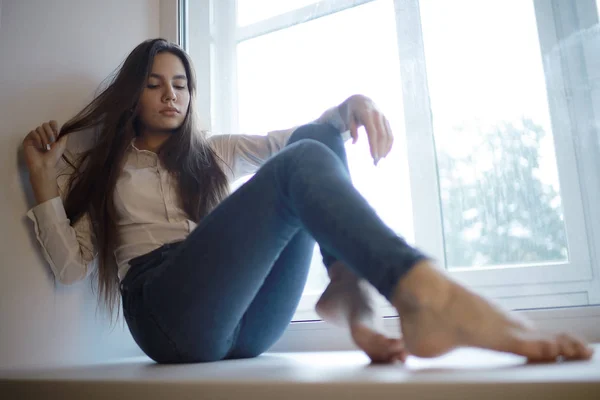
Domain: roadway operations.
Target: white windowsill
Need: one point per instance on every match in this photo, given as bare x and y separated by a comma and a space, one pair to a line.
321, 336
462, 374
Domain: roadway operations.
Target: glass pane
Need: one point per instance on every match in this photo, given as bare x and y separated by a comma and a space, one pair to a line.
497, 167
251, 11
291, 76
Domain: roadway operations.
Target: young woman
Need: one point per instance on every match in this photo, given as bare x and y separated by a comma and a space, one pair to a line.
205, 276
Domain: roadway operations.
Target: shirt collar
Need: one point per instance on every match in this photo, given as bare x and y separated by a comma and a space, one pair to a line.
142, 158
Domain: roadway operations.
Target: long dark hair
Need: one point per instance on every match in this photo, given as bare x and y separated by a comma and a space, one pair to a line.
112, 119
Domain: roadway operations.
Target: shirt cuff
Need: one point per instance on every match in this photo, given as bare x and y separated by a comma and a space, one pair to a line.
48, 213
333, 117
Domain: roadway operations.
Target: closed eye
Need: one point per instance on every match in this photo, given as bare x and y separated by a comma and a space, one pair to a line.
155, 86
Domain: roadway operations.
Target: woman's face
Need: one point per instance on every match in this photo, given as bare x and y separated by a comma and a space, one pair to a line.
165, 99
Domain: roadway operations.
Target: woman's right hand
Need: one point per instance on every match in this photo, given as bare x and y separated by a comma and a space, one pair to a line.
42, 150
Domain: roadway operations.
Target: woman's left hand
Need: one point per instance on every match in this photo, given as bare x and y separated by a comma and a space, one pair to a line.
358, 110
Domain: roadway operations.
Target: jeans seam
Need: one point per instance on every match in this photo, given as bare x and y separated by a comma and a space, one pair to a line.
235, 336
152, 318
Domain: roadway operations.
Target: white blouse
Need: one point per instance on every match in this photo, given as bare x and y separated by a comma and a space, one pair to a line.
145, 199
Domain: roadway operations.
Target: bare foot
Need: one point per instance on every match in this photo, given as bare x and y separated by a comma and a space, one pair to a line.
438, 315
346, 302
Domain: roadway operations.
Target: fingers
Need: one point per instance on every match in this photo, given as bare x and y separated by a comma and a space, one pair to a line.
50, 133
389, 137
373, 136
44, 135
380, 136
41, 133
353, 126
54, 126
379, 133
383, 138
36, 139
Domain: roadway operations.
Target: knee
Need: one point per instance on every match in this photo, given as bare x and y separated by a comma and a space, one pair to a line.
310, 153
303, 161
324, 133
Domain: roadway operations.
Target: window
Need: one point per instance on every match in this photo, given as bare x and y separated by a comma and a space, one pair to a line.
288, 88
502, 205
494, 106
251, 11
500, 192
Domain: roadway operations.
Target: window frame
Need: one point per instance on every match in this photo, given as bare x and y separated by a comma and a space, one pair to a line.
216, 27
425, 187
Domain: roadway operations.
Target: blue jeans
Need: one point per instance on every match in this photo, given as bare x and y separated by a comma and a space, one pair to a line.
230, 289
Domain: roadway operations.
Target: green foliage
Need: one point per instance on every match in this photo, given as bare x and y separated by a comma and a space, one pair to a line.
496, 211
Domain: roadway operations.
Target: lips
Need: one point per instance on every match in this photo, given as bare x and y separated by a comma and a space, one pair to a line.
169, 110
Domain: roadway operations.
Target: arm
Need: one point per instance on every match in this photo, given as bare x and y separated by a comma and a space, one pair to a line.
69, 249
244, 154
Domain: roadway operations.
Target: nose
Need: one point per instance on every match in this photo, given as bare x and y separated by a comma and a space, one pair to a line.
169, 95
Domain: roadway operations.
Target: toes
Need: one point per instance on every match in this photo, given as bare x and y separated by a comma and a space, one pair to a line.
588, 353
550, 349
395, 344
385, 350
381, 349
568, 347
584, 352
540, 350
573, 348
400, 351
403, 356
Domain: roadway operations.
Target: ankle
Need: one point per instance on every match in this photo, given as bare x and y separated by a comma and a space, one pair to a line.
338, 271
423, 286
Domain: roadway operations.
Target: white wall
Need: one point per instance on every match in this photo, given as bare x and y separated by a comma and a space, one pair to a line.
53, 55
